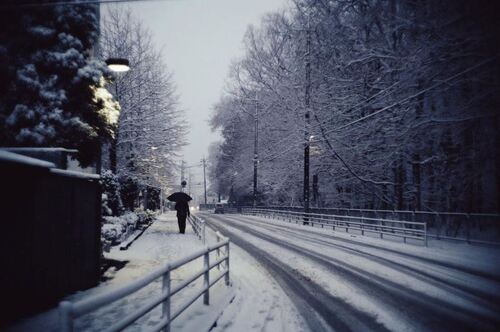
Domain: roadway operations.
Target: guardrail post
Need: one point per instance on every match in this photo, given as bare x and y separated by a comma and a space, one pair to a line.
227, 265
206, 278
425, 233
65, 316
467, 228
218, 249
166, 304
362, 224
435, 224
204, 233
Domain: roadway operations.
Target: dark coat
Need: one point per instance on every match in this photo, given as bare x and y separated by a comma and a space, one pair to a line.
182, 208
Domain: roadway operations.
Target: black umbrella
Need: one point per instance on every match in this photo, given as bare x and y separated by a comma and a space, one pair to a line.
179, 196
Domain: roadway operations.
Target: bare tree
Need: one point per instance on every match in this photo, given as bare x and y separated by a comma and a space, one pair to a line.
403, 101
151, 128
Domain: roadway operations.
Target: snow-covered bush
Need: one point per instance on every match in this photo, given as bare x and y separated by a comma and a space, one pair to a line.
111, 194
129, 192
114, 230
105, 209
145, 216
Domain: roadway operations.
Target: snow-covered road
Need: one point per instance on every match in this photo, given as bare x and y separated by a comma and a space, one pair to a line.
341, 282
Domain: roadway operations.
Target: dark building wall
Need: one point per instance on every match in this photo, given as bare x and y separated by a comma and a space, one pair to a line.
50, 241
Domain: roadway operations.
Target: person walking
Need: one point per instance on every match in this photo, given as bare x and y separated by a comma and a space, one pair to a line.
182, 208
181, 200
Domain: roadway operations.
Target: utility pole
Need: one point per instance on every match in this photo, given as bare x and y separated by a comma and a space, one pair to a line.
255, 150
189, 182
315, 190
183, 166
307, 122
255, 117
204, 162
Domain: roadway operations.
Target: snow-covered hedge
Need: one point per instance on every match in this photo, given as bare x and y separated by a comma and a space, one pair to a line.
115, 230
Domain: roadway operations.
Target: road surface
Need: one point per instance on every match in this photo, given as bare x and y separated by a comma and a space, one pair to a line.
343, 283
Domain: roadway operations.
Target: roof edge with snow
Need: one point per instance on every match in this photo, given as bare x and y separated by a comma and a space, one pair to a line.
33, 149
20, 159
75, 174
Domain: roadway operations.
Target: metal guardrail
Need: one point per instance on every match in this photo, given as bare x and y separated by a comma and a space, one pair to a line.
69, 311
395, 228
199, 227
480, 228
401, 214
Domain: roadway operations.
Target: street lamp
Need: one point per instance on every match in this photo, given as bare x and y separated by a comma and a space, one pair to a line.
117, 65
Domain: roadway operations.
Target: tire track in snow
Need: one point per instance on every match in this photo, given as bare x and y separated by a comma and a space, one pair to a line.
476, 296
312, 300
439, 263
433, 313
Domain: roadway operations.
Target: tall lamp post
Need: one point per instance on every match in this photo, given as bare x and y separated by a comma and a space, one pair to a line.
117, 65
255, 151
307, 118
255, 117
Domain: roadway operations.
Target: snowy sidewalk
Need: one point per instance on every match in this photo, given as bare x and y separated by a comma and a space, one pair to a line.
161, 243
260, 304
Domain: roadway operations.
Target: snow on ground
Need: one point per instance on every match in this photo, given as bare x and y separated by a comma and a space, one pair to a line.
480, 257
258, 302
338, 288
360, 260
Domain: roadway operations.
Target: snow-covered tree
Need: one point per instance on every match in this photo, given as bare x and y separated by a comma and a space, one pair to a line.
52, 88
151, 127
403, 98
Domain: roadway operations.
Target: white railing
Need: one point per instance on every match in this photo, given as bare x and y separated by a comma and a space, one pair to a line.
69, 311
199, 227
396, 228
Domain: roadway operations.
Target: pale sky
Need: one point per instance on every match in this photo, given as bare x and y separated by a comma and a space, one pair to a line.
199, 39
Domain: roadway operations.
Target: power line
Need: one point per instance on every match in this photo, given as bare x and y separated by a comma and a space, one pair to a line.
408, 98
65, 3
